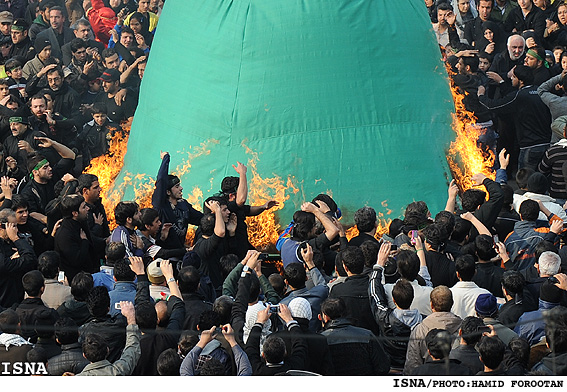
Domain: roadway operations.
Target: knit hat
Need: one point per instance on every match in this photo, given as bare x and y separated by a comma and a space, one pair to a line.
154, 273
486, 305
549, 292
300, 308
41, 44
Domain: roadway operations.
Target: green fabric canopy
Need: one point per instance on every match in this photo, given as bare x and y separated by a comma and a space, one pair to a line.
347, 97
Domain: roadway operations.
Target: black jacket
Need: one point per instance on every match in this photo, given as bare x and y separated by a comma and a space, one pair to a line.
70, 360
354, 291
112, 329
355, 351
451, 367
12, 270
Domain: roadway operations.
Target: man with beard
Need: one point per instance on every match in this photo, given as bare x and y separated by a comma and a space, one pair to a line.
22, 45
127, 215
82, 31
89, 187
111, 85
29, 228
58, 34
79, 250
55, 126
40, 190
22, 141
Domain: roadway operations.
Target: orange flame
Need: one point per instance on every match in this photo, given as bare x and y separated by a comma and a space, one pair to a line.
465, 158
264, 229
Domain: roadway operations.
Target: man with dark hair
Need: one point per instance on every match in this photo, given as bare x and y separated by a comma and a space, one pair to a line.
79, 250
112, 328
22, 46
532, 119
82, 30
354, 290
114, 252
366, 223
71, 359
127, 215
441, 304
76, 308
439, 266
13, 347
526, 17
295, 276
438, 342
21, 141
88, 186
465, 291
111, 85
473, 29
354, 350
58, 34
168, 200
535, 60
554, 363
52, 124
28, 309
469, 333
488, 275
521, 243
14, 263
512, 286
41, 21
395, 323
40, 190
189, 279
491, 350
97, 350
217, 240
537, 189
155, 237
55, 292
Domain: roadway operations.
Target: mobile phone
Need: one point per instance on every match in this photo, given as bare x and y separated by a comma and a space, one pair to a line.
274, 309
496, 240
413, 235
158, 263
483, 329
61, 277
218, 330
117, 306
393, 247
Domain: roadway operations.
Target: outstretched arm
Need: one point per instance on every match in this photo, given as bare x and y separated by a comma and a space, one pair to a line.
242, 190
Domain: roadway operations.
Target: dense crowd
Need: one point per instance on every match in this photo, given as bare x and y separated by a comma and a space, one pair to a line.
476, 289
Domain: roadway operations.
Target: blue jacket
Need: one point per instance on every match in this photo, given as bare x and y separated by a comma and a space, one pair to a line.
531, 325
522, 242
123, 291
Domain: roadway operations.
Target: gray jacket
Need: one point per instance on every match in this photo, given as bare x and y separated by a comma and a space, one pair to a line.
557, 105
125, 365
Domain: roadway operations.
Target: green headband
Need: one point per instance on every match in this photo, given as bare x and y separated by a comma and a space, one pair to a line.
533, 53
17, 28
16, 120
39, 165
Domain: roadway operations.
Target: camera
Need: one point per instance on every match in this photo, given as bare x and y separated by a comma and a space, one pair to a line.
263, 256
117, 306
274, 309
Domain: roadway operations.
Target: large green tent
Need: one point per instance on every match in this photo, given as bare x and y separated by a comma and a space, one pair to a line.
342, 96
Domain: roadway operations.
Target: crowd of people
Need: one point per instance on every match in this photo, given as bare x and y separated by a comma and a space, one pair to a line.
476, 289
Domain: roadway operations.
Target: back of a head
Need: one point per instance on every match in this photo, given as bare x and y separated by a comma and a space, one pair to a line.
403, 294
513, 282
491, 350
334, 308
254, 288
484, 247
9, 321
520, 348
208, 224
33, 283
228, 262
208, 319
339, 267
556, 329
370, 251
524, 74
435, 236
123, 272
278, 283
274, 349
395, 227
223, 307
353, 259
365, 219
95, 347
408, 264
66, 331
508, 193
441, 299
529, 210
114, 251
48, 264
537, 183
549, 263
188, 279
44, 322
187, 341
461, 230
545, 246
446, 220
522, 177
303, 225
472, 199
295, 275
168, 363
465, 267
438, 342
146, 316
81, 285
327, 200
98, 301
550, 293
470, 330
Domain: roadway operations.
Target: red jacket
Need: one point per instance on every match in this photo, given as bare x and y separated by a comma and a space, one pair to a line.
102, 19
